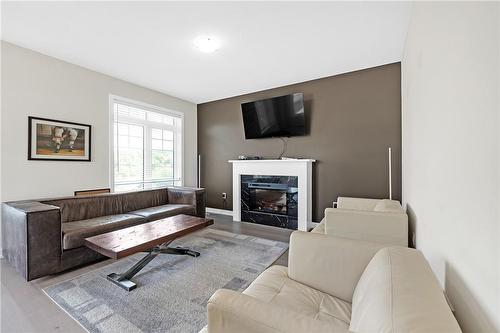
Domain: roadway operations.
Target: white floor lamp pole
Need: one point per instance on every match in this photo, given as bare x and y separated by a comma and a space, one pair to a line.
390, 173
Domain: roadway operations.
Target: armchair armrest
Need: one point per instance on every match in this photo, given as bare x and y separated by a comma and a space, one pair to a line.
386, 227
188, 196
230, 311
31, 234
330, 264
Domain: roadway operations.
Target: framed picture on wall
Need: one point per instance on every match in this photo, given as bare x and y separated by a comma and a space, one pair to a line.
57, 140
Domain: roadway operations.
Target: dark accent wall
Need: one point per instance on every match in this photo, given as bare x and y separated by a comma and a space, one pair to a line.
352, 119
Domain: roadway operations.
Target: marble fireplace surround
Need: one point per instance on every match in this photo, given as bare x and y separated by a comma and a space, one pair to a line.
301, 168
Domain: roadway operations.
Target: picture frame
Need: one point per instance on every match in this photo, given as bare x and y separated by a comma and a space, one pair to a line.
58, 140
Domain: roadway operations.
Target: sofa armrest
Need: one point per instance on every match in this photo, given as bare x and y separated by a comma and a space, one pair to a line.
330, 264
188, 196
384, 227
230, 311
31, 237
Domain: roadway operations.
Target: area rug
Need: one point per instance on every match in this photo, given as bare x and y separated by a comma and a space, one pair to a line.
172, 291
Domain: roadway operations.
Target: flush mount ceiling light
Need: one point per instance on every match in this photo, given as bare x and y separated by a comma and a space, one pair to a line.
206, 44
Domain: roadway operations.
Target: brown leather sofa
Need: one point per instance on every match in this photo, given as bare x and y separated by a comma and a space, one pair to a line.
42, 237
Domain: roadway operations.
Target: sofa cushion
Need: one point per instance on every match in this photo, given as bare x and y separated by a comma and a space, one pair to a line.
275, 287
399, 293
160, 212
88, 207
74, 233
143, 199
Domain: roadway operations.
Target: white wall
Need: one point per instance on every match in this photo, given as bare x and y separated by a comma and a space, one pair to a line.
451, 152
37, 85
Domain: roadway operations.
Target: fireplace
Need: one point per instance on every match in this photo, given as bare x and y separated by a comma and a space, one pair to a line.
296, 174
269, 200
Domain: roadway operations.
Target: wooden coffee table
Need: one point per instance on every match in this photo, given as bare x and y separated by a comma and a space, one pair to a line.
152, 237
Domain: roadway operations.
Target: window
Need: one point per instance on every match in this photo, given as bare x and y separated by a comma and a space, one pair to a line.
147, 146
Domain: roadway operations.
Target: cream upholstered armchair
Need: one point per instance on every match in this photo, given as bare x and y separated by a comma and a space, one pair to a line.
375, 220
336, 284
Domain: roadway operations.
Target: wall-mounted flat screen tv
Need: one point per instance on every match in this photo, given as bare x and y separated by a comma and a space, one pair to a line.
274, 117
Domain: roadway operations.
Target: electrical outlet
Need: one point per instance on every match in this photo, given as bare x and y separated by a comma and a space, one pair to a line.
224, 195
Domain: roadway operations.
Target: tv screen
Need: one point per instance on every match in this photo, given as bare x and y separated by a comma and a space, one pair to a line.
274, 117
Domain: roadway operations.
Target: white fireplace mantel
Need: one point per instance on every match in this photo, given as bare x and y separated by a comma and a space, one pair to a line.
301, 168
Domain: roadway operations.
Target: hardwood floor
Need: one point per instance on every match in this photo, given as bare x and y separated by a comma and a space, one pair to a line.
25, 308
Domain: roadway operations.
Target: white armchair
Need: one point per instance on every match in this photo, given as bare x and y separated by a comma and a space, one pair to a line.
374, 220
337, 285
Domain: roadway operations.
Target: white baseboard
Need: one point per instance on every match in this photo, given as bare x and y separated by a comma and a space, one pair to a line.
219, 211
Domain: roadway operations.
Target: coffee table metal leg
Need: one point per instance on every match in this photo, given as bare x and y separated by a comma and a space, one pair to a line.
123, 280
180, 251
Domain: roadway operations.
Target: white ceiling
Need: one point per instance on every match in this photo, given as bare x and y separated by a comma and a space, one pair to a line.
264, 45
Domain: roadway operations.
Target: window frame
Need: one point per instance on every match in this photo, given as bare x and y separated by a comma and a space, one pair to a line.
147, 145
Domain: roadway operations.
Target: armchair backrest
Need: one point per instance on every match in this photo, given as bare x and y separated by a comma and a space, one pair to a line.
375, 205
374, 220
356, 203
386, 228
332, 265
398, 292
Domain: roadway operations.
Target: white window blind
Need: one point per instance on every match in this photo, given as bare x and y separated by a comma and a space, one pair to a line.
147, 147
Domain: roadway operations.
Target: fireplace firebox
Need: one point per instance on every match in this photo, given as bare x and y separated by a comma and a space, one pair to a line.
269, 200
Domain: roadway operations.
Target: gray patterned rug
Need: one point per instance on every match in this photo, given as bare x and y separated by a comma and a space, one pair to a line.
172, 291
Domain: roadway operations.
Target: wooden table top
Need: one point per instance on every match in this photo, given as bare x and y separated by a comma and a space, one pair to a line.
124, 242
